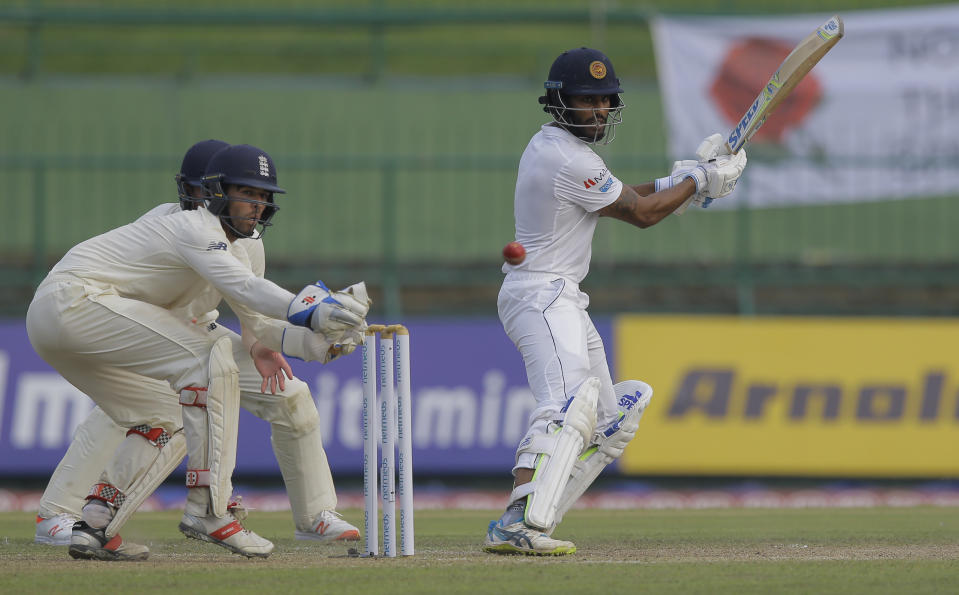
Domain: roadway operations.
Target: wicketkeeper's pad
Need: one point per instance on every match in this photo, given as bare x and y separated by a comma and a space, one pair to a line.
211, 419
170, 450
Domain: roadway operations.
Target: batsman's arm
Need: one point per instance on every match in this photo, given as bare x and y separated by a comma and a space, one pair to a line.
643, 207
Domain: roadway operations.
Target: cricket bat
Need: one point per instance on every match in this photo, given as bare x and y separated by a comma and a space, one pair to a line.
796, 65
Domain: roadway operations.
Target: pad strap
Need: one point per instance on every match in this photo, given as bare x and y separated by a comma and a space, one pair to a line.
158, 437
193, 396
107, 493
539, 443
521, 491
197, 478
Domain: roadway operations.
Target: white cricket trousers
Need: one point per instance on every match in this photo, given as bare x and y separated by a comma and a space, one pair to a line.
545, 317
107, 345
103, 344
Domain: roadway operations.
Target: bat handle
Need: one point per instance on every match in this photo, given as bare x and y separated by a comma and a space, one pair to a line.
682, 208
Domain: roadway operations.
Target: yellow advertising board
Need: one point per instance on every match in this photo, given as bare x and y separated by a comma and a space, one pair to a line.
876, 397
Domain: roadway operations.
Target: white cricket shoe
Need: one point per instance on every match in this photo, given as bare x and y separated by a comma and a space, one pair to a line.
330, 526
55, 530
87, 543
519, 538
227, 532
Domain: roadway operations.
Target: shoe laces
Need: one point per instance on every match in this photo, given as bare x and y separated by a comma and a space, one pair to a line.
324, 520
236, 508
328, 516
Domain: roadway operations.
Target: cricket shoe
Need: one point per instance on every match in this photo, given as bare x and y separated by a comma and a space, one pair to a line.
227, 532
519, 538
87, 543
330, 526
54, 530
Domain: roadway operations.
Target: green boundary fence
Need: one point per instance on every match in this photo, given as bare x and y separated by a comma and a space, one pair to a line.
396, 245
397, 128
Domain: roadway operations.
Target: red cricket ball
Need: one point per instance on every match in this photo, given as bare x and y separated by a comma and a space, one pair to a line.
514, 253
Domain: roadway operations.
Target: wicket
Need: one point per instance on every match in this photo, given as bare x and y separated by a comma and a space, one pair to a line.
395, 426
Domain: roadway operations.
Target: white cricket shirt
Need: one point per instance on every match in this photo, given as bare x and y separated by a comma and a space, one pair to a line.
202, 310
170, 261
561, 184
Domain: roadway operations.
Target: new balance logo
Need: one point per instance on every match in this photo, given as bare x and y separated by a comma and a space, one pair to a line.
215, 245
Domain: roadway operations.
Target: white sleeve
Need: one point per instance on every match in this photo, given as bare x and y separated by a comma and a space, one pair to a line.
269, 331
235, 282
254, 249
167, 208
586, 181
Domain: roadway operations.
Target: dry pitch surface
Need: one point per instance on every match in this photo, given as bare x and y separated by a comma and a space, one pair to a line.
875, 550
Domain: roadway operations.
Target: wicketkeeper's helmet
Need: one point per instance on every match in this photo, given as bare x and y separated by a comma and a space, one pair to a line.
240, 165
192, 169
583, 71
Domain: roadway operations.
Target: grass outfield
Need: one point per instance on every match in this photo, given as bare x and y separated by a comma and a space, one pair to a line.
875, 550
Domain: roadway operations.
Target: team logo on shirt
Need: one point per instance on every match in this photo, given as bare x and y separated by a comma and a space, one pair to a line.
599, 179
215, 245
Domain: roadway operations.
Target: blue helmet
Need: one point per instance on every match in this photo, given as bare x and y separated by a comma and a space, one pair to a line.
192, 169
583, 71
240, 165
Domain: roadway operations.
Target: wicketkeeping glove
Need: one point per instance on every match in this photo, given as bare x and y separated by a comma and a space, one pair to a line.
304, 344
330, 313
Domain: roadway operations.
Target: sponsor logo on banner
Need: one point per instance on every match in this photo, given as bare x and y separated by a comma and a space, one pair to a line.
45, 408
470, 404
745, 69
712, 69
794, 396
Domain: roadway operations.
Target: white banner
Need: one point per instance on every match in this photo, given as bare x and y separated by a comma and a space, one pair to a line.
877, 118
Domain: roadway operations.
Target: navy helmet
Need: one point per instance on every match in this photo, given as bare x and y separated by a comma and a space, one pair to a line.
240, 165
583, 71
192, 169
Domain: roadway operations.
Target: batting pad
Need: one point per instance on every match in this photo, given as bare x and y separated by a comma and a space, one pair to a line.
633, 397
553, 469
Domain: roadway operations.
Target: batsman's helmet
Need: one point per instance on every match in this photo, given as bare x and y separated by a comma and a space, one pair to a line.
583, 71
192, 169
240, 165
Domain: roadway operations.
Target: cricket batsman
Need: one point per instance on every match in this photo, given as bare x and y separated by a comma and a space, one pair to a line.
582, 421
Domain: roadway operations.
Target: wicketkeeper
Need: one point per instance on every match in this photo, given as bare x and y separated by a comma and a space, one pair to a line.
267, 389
110, 318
